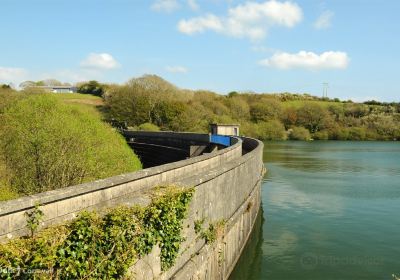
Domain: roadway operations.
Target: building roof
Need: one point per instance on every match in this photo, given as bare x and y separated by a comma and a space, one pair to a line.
224, 124
56, 87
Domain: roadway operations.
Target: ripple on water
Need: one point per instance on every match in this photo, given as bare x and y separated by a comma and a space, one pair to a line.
331, 212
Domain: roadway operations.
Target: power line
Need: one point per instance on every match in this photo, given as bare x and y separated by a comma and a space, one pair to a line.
325, 90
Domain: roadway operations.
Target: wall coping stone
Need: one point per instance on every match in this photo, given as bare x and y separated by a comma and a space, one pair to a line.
27, 202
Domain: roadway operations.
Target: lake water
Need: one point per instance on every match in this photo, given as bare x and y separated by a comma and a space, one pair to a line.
330, 210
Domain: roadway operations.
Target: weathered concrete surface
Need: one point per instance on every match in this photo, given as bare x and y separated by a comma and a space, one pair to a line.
230, 192
227, 187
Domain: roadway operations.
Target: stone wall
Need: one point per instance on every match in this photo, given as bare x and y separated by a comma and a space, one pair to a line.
227, 187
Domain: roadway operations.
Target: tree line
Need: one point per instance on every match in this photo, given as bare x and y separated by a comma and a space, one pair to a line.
153, 103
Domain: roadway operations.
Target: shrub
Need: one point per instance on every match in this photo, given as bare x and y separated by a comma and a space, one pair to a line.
48, 145
91, 87
272, 130
299, 133
357, 133
148, 127
339, 133
321, 135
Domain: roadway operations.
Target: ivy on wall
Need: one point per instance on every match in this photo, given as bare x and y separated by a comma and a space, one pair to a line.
101, 247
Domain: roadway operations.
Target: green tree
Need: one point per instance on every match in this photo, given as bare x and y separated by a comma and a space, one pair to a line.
265, 111
272, 130
129, 104
299, 133
289, 117
239, 109
48, 145
313, 117
91, 87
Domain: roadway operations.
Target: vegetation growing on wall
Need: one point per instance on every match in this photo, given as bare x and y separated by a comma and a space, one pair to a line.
210, 233
46, 144
101, 247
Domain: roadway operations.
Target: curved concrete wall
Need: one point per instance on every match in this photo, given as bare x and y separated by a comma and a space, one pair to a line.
227, 186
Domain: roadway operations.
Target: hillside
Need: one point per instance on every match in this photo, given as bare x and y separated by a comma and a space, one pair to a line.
264, 116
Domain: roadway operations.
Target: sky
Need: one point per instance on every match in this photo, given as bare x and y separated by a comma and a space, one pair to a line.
220, 45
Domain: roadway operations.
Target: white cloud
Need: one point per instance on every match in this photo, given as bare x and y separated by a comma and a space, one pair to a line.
100, 61
200, 24
308, 60
166, 6
176, 69
249, 20
12, 75
324, 20
193, 5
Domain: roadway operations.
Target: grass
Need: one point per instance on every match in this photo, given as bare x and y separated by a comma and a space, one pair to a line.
6, 193
87, 102
84, 99
300, 103
66, 96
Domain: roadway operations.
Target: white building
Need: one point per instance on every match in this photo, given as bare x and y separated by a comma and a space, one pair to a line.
59, 89
224, 129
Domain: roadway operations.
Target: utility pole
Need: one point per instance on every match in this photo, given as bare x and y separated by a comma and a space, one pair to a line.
325, 90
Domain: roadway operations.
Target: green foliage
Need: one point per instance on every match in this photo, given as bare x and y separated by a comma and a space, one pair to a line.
233, 94
7, 98
313, 117
238, 107
210, 234
268, 110
46, 145
148, 127
101, 247
6, 193
271, 130
213, 231
150, 99
163, 223
198, 224
33, 218
299, 133
357, 133
91, 87
321, 135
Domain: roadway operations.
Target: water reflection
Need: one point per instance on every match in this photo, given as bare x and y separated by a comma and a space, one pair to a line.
250, 262
331, 212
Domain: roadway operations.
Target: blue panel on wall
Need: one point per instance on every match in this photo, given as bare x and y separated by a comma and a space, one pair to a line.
220, 139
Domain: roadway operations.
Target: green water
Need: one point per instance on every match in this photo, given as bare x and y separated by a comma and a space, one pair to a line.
331, 210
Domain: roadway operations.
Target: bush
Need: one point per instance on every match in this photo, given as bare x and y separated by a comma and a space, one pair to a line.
339, 133
357, 133
91, 87
148, 127
272, 130
300, 133
48, 145
321, 135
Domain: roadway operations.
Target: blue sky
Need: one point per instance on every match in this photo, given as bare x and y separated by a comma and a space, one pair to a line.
221, 45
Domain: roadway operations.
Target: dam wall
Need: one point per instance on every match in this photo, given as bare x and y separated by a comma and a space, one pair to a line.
227, 188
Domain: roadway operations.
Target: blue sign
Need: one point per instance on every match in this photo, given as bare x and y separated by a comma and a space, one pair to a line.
220, 139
